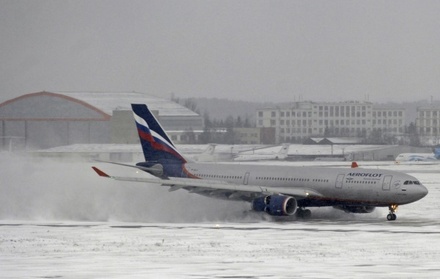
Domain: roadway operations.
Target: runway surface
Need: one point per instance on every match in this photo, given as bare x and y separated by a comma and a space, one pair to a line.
82, 227
312, 249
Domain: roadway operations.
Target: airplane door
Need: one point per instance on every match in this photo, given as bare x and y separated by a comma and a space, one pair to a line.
339, 181
246, 178
386, 184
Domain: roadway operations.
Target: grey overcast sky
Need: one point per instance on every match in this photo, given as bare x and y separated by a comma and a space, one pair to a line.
244, 50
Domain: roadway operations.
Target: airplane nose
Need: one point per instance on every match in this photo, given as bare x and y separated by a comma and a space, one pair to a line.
420, 192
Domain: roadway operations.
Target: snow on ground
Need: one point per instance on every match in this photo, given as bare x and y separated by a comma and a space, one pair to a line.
313, 249
59, 220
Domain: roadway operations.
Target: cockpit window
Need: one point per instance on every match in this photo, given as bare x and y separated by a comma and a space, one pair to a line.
411, 182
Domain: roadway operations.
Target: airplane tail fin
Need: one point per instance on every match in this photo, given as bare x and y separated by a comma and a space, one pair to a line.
156, 145
282, 154
437, 152
210, 150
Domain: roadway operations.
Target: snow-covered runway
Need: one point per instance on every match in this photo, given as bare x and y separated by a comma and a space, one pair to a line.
58, 221
313, 249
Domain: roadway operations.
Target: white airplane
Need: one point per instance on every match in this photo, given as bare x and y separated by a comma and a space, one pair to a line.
276, 190
246, 156
210, 155
206, 156
419, 157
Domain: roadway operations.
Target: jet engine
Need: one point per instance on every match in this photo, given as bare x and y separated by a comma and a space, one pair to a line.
276, 205
356, 209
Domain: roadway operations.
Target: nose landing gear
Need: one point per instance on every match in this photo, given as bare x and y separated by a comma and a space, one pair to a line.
392, 216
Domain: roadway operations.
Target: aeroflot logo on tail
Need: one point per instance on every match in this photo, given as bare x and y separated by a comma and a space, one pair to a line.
363, 174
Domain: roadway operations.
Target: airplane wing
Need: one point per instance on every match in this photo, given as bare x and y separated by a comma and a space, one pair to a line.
218, 188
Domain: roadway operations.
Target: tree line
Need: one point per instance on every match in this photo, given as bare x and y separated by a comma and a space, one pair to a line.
215, 130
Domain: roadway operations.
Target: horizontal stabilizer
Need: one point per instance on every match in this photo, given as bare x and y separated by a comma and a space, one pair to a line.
156, 170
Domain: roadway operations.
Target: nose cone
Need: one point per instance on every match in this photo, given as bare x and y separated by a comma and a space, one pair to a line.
419, 192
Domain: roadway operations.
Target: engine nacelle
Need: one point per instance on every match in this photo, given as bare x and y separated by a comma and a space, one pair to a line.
356, 209
276, 205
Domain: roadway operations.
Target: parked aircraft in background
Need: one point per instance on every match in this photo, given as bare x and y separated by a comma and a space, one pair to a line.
209, 155
419, 157
246, 156
276, 190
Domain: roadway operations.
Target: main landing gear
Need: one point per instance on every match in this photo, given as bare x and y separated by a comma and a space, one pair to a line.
392, 216
303, 213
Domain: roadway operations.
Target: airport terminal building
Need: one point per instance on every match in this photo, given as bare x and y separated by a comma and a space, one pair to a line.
46, 119
428, 124
301, 120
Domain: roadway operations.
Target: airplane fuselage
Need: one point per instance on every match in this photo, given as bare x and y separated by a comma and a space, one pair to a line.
338, 186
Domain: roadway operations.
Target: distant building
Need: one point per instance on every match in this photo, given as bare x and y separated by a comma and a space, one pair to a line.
389, 120
45, 119
428, 124
301, 120
254, 135
335, 141
247, 135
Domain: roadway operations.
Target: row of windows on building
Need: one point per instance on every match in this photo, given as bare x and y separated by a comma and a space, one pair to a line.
304, 114
388, 113
337, 130
308, 114
429, 114
429, 130
429, 122
337, 122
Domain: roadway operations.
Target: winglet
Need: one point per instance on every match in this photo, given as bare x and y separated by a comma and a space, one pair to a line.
100, 172
354, 165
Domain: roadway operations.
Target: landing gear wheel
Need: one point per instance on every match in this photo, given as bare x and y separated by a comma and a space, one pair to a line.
392, 216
